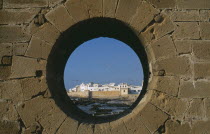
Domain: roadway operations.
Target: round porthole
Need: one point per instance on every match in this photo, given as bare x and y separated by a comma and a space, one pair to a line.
69, 42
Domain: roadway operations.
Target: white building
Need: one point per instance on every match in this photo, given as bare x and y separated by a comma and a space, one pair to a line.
107, 87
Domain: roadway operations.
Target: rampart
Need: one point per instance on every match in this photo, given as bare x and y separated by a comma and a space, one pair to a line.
171, 37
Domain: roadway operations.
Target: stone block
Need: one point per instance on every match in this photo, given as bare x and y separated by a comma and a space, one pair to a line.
25, 67
163, 48
19, 48
85, 129
48, 33
32, 87
201, 127
7, 111
175, 127
147, 36
11, 90
9, 127
24, 3
5, 72
183, 46
77, 9
163, 3
102, 128
60, 18
205, 30
196, 110
6, 60
177, 66
193, 4
17, 16
69, 125
152, 117
205, 15
11, 34
95, 7
168, 85
118, 127
201, 50
189, 15
52, 120
184, 30
53, 3
164, 27
38, 48
202, 70
199, 89
207, 107
5, 50
109, 8
43, 110
143, 17
35, 128
131, 7
171, 105
134, 125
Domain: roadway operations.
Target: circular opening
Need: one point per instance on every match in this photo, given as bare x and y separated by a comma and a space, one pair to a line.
103, 77
74, 37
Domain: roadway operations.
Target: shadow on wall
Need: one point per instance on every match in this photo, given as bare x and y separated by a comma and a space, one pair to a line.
69, 41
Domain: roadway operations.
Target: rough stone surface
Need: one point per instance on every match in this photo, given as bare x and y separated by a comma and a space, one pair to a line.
163, 3
11, 90
103, 128
202, 70
174, 127
17, 16
69, 125
7, 111
48, 33
77, 9
24, 3
185, 31
189, 15
94, 7
193, 4
32, 87
195, 110
60, 18
38, 48
205, 33
163, 48
168, 85
13, 34
143, 17
177, 66
1, 4
205, 15
5, 50
9, 127
199, 89
152, 121
85, 129
201, 50
26, 67
201, 127
19, 48
109, 7
207, 106
183, 46
126, 15
171, 105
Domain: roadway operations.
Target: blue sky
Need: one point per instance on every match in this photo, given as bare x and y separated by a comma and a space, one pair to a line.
103, 60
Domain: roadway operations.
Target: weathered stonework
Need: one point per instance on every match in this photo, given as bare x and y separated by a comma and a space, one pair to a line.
174, 34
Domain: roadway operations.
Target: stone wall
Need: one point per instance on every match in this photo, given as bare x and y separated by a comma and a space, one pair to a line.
174, 33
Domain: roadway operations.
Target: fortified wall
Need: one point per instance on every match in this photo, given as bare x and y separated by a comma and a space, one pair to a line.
171, 37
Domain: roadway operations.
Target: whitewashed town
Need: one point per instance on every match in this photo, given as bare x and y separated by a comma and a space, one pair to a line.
129, 89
